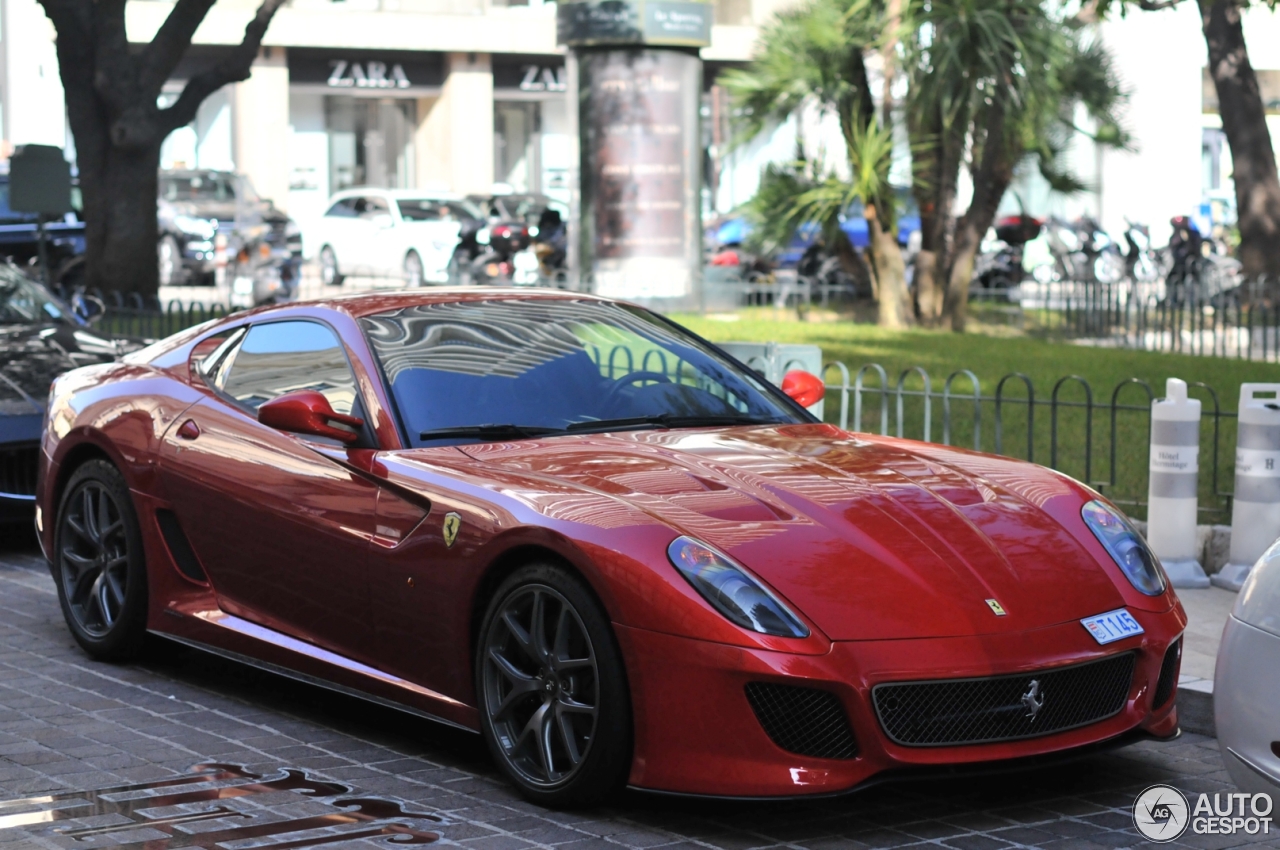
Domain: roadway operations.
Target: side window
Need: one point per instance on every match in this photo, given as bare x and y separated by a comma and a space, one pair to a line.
346, 208
281, 357
210, 351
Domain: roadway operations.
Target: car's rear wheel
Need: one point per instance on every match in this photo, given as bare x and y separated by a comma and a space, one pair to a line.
413, 271
329, 273
554, 704
99, 563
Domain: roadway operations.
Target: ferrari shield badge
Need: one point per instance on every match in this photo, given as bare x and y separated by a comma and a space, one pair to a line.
996, 607
452, 522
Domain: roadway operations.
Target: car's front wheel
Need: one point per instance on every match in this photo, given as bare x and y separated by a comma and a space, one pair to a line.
329, 273
99, 563
554, 704
414, 275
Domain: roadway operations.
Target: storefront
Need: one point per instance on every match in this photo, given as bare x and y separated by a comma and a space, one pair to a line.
533, 135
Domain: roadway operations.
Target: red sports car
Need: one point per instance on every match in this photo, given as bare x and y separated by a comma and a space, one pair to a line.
614, 551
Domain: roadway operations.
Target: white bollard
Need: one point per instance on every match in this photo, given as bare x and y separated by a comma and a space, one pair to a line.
1171, 496
1255, 512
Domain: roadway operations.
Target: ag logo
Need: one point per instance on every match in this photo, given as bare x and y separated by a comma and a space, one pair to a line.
996, 608
1161, 813
452, 522
1033, 699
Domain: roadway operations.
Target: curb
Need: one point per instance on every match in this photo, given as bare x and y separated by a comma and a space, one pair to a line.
1195, 706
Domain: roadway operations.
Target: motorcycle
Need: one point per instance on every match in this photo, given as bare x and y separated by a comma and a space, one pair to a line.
505, 256
1141, 259
1084, 252
1004, 269
1197, 271
261, 266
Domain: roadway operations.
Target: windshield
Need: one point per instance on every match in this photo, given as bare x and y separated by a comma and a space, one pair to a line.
552, 365
428, 209
25, 302
207, 186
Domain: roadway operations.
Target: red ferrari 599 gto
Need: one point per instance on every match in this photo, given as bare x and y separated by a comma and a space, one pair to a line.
574, 527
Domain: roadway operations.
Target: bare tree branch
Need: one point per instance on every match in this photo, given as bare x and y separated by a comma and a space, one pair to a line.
162, 55
231, 69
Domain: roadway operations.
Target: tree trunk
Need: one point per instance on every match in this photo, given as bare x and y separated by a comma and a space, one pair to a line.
1245, 123
121, 234
892, 298
990, 181
938, 168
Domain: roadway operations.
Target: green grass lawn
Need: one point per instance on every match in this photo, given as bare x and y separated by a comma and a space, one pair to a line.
941, 353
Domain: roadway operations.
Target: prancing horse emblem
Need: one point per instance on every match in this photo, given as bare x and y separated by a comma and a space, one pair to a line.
1033, 700
452, 522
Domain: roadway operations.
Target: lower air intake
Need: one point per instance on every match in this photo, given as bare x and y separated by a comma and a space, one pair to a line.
805, 721
1168, 681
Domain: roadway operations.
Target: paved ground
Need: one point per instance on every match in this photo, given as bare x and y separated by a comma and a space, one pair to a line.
69, 724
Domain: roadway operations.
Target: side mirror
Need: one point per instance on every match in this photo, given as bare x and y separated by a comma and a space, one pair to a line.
804, 388
309, 412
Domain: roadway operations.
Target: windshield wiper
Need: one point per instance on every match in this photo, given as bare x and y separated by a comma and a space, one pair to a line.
489, 432
669, 420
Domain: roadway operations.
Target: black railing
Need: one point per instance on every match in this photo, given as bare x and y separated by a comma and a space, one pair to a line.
1103, 440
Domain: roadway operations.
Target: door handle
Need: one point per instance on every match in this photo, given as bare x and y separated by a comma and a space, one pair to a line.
189, 430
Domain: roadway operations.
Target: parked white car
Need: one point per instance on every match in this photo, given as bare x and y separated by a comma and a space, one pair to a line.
399, 233
1246, 685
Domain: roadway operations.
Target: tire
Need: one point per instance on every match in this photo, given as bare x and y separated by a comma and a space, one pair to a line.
329, 273
99, 565
169, 257
414, 275
568, 681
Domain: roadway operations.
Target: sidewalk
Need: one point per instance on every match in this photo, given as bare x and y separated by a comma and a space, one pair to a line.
1207, 612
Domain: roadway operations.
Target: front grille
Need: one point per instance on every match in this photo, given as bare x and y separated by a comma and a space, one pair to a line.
18, 469
949, 712
1168, 681
805, 721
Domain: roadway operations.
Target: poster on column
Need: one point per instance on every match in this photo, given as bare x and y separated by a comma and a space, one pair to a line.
640, 133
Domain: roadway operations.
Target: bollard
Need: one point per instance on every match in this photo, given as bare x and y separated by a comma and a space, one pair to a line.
1255, 514
1171, 495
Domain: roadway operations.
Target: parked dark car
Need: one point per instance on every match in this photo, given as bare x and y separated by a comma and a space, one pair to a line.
196, 207
41, 336
19, 239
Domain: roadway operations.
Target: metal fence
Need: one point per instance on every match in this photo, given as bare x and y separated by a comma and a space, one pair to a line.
1148, 316
1100, 439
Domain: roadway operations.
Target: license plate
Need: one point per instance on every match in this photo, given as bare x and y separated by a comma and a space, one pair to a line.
1112, 626
526, 261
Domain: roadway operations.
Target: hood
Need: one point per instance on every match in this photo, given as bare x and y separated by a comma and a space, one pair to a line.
31, 356
871, 538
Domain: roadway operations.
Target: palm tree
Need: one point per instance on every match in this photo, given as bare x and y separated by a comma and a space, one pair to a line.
815, 56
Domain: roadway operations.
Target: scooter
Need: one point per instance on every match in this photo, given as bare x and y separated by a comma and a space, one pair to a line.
1141, 260
1004, 268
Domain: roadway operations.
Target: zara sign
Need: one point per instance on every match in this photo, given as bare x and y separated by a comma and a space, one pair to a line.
367, 75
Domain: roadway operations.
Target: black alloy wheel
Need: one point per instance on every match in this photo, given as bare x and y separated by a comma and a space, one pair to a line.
554, 705
99, 563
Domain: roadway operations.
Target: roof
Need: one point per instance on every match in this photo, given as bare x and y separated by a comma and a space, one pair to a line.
370, 303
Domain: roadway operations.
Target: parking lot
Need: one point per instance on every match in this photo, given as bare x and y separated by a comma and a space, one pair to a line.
70, 725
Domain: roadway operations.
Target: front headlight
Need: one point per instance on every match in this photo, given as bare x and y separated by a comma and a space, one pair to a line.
1130, 552
733, 592
202, 227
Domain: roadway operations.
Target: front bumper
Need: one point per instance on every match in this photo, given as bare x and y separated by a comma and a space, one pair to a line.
696, 733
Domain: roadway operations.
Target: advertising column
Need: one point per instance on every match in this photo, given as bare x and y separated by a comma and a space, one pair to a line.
636, 227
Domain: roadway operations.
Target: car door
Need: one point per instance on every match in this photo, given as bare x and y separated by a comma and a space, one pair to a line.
282, 530
382, 256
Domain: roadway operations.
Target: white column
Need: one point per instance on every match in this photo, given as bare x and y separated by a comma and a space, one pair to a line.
31, 97
260, 119
455, 135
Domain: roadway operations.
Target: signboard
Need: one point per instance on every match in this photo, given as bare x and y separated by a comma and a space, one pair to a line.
39, 180
531, 74
640, 171
673, 23
365, 71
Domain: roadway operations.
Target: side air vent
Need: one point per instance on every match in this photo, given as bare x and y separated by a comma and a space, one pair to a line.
805, 721
179, 547
1168, 681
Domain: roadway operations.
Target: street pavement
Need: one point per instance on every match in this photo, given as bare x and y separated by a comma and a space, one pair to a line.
69, 725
